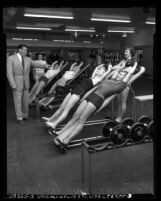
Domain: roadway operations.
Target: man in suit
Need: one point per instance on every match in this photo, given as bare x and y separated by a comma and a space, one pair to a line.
18, 69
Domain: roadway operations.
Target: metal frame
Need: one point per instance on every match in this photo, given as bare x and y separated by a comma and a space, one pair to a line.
86, 148
53, 106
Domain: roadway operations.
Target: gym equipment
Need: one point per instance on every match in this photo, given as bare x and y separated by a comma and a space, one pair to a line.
63, 91
88, 123
135, 131
127, 129
119, 134
141, 100
138, 131
87, 152
144, 119
128, 122
148, 123
108, 127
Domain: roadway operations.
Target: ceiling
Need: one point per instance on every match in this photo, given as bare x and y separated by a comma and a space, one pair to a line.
14, 16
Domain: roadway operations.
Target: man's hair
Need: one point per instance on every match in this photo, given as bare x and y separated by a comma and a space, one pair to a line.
21, 46
132, 51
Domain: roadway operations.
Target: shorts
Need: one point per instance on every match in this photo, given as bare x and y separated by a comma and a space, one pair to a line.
110, 87
95, 99
82, 89
44, 79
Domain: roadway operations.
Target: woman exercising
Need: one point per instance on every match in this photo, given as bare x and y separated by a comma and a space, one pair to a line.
73, 97
49, 75
93, 102
38, 73
68, 75
122, 97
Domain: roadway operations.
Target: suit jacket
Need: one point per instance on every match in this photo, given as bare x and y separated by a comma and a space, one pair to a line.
17, 76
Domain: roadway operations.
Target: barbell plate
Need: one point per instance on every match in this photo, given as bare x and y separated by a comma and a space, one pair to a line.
118, 134
107, 128
127, 122
144, 119
138, 131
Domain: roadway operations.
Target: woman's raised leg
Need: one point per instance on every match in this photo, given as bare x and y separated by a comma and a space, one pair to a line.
71, 103
59, 110
68, 135
74, 118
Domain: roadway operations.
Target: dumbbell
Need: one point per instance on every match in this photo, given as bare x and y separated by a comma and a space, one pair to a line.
126, 129
135, 130
148, 123
115, 132
122, 131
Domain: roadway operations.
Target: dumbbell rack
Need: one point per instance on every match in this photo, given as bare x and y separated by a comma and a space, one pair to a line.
86, 147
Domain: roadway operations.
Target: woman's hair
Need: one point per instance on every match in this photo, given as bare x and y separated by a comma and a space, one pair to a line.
132, 51
106, 65
37, 55
50, 58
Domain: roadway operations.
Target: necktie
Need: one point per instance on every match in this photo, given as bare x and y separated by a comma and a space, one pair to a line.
23, 65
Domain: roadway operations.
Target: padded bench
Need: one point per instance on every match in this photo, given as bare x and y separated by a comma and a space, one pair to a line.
142, 100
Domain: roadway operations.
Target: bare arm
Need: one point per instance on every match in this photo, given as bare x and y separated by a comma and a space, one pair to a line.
98, 80
130, 73
72, 66
93, 74
122, 63
53, 65
64, 66
61, 64
78, 69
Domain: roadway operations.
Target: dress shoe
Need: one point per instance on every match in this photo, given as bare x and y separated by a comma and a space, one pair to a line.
21, 122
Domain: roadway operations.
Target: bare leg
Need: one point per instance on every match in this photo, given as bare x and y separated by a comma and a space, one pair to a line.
59, 111
32, 92
72, 101
79, 124
50, 100
122, 104
52, 88
45, 100
75, 117
40, 87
